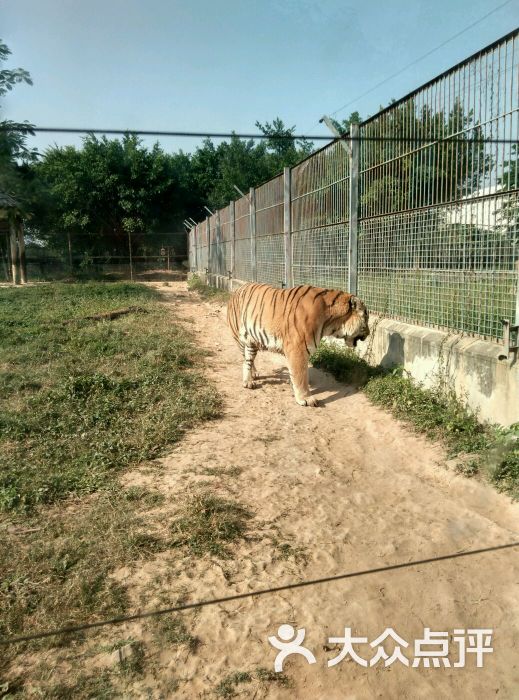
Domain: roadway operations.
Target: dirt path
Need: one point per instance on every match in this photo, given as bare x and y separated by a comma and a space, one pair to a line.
337, 489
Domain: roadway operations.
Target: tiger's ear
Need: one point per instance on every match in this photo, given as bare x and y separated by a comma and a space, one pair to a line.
354, 303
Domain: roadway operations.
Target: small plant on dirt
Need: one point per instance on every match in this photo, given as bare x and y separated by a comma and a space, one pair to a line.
208, 524
172, 631
264, 675
286, 551
232, 471
143, 496
133, 665
195, 284
345, 365
227, 687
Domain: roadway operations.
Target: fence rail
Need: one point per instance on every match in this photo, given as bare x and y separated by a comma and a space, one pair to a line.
426, 231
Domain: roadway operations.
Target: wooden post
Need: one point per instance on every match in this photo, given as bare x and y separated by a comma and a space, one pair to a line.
287, 229
252, 213
15, 263
21, 249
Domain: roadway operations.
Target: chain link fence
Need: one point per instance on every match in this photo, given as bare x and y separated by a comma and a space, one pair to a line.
417, 210
147, 256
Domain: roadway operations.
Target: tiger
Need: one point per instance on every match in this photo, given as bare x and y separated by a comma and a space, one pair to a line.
292, 322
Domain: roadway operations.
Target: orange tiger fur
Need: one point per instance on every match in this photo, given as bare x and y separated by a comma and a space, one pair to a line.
292, 322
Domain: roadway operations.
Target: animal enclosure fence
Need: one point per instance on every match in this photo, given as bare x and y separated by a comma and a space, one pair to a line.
416, 209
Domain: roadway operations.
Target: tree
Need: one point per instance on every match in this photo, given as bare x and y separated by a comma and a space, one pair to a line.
405, 174
106, 190
283, 149
344, 126
98, 194
14, 153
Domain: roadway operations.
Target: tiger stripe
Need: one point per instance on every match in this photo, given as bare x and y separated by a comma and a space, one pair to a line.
292, 322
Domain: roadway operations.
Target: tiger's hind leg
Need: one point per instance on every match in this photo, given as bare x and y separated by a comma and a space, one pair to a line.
249, 371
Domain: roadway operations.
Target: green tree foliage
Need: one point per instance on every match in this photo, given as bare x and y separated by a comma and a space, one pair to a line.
100, 193
245, 163
281, 147
344, 126
15, 177
406, 174
97, 194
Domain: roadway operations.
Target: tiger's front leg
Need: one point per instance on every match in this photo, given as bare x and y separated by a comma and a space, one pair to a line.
249, 371
297, 359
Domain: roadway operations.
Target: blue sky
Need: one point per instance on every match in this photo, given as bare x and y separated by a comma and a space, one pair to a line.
216, 66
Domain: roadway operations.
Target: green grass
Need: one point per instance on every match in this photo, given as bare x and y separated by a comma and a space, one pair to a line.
209, 524
438, 413
228, 687
83, 400
172, 631
56, 565
206, 292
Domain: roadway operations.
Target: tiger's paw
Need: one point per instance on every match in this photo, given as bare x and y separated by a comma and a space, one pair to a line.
249, 384
309, 401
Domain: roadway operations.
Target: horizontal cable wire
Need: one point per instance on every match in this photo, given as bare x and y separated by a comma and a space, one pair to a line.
223, 135
251, 594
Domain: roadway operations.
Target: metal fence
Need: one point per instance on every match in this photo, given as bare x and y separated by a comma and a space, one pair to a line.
417, 210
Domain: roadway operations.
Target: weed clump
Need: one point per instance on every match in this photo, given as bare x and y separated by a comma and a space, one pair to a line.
208, 524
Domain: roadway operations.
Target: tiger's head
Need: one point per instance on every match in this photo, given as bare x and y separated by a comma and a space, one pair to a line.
355, 324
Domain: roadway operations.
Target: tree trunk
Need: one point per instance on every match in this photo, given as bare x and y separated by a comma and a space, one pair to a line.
21, 248
15, 263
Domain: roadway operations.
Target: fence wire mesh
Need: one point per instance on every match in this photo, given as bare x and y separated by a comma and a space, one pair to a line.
438, 220
269, 232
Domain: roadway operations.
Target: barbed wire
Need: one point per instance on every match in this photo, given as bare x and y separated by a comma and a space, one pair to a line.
281, 137
240, 596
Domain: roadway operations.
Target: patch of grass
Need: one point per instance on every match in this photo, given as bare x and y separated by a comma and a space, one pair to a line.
501, 461
232, 471
98, 686
227, 687
172, 631
60, 574
208, 524
134, 664
141, 495
440, 415
286, 551
344, 364
83, 400
206, 292
437, 413
266, 676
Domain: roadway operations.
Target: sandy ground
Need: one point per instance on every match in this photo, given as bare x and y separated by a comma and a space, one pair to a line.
348, 488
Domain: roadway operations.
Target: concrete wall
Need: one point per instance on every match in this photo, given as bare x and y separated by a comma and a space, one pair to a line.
489, 385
